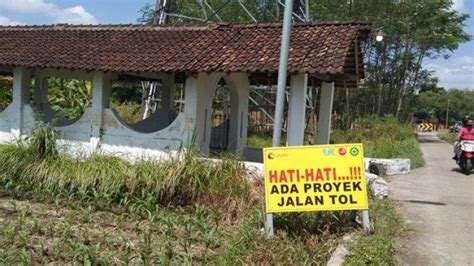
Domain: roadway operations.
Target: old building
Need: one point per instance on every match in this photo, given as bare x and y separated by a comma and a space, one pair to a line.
196, 57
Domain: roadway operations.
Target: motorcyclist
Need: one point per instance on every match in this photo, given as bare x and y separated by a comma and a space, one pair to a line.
465, 133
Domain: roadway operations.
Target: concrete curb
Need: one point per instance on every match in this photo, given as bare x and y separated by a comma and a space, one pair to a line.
385, 167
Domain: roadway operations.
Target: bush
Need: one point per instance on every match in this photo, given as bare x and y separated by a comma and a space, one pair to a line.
110, 180
378, 248
128, 111
383, 137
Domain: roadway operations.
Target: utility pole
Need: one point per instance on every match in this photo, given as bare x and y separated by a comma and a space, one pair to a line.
162, 8
277, 10
306, 10
280, 98
150, 89
447, 114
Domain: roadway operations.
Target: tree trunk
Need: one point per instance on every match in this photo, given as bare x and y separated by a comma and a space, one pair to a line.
381, 84
403, 86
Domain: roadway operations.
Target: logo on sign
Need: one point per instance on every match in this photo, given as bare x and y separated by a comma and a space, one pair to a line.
329, 152
342, 151
354, 151
272, 155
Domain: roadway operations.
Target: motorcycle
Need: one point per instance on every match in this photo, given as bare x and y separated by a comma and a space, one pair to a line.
466, 157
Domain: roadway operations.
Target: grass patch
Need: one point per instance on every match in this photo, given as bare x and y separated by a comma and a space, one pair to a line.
378, 248
110, 180
383, 137
447, 136
39, 233
104, 210
261, 140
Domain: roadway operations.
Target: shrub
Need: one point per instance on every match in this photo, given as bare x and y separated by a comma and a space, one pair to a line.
109, 180
383, 137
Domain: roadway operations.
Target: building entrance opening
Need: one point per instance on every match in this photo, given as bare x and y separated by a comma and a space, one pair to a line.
220, 118
6, 87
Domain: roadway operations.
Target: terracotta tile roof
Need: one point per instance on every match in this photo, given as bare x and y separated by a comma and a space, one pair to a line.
324, 48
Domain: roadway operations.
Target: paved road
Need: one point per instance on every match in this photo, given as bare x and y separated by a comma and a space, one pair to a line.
438, 203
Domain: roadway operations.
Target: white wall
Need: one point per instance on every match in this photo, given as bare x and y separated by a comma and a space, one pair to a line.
101, 130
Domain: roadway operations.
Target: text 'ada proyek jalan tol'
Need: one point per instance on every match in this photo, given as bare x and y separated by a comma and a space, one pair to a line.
338, 185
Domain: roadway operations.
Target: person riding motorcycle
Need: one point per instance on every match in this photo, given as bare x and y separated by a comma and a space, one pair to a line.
465, 133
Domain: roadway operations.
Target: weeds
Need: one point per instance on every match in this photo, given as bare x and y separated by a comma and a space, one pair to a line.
447, 136
104, 181
42, 141
378, 248
104, 210
383, 137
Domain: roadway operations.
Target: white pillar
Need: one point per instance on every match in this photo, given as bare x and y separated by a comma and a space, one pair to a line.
325, 112
239, 86
21, 97
297, 110
198, 107
101, 86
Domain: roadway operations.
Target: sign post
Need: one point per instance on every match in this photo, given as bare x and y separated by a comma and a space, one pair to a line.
280, 99
316, 178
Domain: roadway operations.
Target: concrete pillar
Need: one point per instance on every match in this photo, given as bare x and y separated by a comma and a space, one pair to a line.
166, 114
21, 97
198, 107
297, 109
325, 112
167, 93
101, 88
239, 85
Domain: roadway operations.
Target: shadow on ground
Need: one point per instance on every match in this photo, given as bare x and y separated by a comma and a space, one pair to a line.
429, 140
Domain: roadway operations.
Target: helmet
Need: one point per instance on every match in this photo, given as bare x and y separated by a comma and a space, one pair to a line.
466, 121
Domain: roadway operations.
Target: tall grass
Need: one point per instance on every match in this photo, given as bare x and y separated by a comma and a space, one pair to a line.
110, 180
42, 141
383, 137
104, 210
379, 247
447, 136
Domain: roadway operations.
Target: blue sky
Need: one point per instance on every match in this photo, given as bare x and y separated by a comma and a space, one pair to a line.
458, 70
455, 72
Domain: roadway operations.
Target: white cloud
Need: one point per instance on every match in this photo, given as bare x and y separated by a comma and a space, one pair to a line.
458, 74
28, 6
4, 21
73, 15
76, 15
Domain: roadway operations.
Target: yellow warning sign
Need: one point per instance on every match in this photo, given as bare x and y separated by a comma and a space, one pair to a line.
315, 178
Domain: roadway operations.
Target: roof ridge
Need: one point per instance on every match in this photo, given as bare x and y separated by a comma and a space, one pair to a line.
217, 25
63, 26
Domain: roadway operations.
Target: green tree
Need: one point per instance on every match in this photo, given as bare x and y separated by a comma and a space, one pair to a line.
6, 84
415, 30
69, 98
433, 103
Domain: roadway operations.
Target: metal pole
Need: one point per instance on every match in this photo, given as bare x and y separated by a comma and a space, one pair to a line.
280, 99
277, 10
447, 114
308, 19
155, 14
247, 11
365, 221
